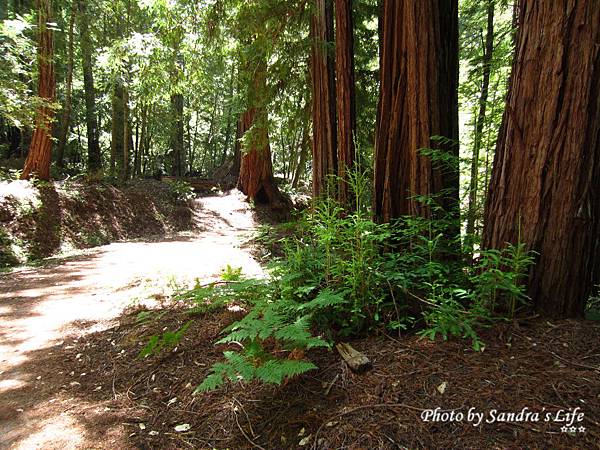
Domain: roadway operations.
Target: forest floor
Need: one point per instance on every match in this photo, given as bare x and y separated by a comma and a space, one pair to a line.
70, 332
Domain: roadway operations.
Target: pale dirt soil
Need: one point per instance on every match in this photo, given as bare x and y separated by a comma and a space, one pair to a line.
69, 298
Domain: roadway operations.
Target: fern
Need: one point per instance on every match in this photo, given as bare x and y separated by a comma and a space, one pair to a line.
167, 341
275, 370
238, 368
325, 299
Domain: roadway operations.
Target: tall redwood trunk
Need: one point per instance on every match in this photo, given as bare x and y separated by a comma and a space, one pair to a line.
418, 100
346, 112
324, 147
545, 187
256, 168
40, 149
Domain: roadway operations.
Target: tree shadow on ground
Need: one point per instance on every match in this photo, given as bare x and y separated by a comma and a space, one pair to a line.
144, 399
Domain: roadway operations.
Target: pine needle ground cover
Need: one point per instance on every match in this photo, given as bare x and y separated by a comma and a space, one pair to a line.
539, 365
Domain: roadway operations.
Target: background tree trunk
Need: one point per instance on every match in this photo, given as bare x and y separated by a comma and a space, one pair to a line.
545, 187
418, 100
117, 139
323, 97
66, 112
91, 119
479, 124
124, 175
177, 134
139, 155
304, 149
346, 109
40, 149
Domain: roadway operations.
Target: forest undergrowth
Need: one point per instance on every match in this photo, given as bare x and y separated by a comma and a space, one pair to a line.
340, 275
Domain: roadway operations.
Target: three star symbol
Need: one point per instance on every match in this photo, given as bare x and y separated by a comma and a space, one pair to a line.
567, 429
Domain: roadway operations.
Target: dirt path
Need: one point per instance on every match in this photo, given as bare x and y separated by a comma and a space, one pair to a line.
41, 307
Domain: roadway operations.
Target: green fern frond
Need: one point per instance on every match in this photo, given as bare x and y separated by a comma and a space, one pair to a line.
325, 299
210, 383
275, 370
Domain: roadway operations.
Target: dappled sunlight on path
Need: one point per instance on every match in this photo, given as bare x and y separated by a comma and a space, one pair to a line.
39, 307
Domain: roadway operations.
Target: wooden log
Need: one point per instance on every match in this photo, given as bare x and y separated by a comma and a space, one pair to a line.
357, 361
197, 184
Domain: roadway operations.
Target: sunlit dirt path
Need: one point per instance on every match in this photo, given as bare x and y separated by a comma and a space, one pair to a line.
40, 307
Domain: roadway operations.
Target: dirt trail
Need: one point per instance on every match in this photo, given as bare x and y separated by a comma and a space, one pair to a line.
41, 307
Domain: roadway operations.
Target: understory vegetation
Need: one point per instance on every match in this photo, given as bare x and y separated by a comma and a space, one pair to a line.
340, 275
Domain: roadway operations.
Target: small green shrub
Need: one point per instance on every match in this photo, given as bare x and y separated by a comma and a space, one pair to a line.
166, 341
231, 273
182, 190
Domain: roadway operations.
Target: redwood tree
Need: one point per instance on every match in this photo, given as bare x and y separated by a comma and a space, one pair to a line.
256, 169
418, 100
40, 149
322, 69
545, 187
346, 113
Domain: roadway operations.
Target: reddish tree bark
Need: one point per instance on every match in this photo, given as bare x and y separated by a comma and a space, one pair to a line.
346, 112
256, 178
324, 147
256, 169
40, 149
418, 100
545, 187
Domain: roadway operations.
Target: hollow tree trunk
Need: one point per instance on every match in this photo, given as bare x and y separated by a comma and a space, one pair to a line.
479, 124
545, 186
40, 149
324, 145
66, 112
346, 110
91, 119
418, 100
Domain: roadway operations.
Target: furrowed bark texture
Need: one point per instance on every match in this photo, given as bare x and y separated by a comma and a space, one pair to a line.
256, 178
40, 148
324, 144
346, 112
418, 100
256, 169
545, 187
